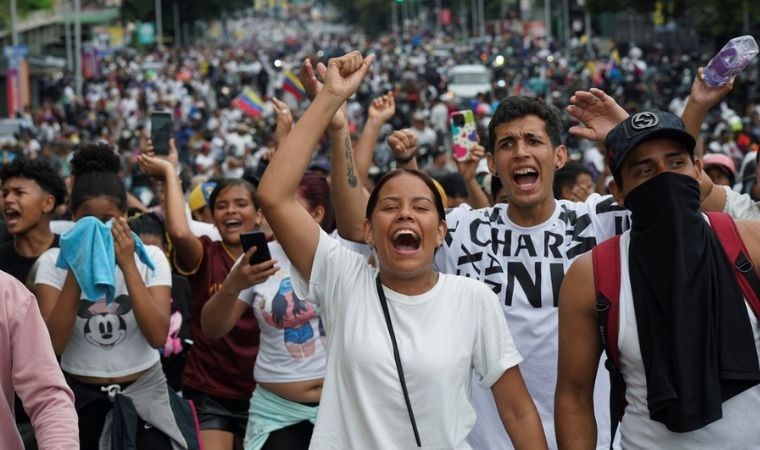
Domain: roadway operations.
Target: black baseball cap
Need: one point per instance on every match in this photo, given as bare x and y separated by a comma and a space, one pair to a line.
642, 127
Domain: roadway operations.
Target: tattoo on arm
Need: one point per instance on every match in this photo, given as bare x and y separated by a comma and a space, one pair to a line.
351, 171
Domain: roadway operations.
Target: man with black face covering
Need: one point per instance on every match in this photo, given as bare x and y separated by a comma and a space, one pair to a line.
687, 340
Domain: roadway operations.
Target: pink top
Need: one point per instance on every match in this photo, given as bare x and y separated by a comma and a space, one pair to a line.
28, 367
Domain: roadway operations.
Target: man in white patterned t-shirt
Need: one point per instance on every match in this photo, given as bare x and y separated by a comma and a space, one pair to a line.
522, 250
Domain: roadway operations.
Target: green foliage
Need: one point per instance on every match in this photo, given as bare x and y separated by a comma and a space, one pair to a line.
134, 10
715, 20
724, 19
23, 7
373, 15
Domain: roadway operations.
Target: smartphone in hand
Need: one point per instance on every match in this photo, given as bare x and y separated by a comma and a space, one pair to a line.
464, 133
160, 131
258, 239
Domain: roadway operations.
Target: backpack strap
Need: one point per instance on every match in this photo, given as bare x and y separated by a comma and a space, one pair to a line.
744, 270
606, 261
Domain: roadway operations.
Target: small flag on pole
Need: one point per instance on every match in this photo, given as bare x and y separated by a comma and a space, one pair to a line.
250, 102
291, 84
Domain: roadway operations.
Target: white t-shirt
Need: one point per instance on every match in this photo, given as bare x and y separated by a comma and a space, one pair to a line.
292, 342
740, 206
106, 340
738, 429
442, 336
525, 268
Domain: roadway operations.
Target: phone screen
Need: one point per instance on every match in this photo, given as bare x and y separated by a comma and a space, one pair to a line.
160, 131
258, 239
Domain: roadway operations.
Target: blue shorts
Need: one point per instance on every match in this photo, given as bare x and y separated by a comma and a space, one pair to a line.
300, 335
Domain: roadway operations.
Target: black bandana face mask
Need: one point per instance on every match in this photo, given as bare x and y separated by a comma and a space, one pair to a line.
661, 198
695, 338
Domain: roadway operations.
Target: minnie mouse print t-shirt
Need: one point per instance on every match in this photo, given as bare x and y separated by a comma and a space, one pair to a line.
106, 341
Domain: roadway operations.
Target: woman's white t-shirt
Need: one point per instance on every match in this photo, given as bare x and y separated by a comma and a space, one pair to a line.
292, 344
442, 336
106, 340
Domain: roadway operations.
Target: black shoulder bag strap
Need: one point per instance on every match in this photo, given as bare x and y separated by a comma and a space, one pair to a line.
397, 358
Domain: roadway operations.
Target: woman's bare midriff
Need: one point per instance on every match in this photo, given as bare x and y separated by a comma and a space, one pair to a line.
115, 380
297, 391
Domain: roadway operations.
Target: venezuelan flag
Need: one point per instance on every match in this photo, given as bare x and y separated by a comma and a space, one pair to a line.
250, 102
290, 83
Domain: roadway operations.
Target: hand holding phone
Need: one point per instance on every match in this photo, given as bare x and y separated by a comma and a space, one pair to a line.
464, 134
160, 131
258, 239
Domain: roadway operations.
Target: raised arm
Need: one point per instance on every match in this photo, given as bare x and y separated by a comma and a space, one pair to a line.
476, 198
59, 310
283, 120
597, 111
702, 98
188, 249
403, 145
349, 195
294, 227
223, 310
151, 305
579, 352
380, 111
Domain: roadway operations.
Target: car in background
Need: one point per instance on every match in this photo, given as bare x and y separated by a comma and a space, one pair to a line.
466, 81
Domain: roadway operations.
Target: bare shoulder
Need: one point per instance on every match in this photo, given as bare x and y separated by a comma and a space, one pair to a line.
750, 233
578, 290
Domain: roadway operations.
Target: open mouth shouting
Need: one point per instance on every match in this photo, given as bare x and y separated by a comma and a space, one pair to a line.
11, 216
233, 225
525, 178
405, 241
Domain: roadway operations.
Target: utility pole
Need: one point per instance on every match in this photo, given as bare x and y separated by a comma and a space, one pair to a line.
438, 7
78, 46
159, 27
548, 18
404, 16
177, 35
67, 34
482, 17
14, 30
394, 16
566, 22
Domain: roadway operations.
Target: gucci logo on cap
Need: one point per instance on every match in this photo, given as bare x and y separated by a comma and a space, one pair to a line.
644, 120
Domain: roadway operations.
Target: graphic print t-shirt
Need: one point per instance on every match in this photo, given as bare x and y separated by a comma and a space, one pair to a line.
106, 341
524, 267
292, 342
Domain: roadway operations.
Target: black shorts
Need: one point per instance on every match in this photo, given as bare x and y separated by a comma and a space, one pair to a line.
218, 413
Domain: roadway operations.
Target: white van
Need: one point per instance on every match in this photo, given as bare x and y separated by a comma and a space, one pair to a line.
468, 80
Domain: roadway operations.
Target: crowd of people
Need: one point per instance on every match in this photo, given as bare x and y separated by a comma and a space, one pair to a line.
410, 299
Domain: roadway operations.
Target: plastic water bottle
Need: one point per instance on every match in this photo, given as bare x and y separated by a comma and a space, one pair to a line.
730, 60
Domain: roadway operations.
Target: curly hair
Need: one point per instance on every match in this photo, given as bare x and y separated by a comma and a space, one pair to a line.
95, 168
97, 157
41, 171
519, 106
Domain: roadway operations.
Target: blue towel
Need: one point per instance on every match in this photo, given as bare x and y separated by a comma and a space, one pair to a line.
87, 249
